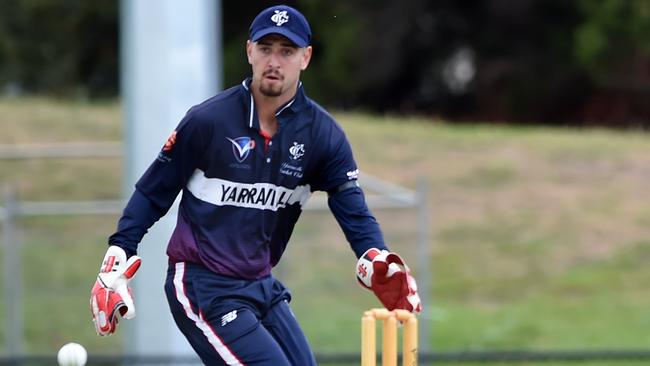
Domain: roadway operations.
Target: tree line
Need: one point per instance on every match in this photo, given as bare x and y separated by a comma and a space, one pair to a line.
564, 62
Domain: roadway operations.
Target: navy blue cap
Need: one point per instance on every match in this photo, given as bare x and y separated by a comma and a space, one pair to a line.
283, 20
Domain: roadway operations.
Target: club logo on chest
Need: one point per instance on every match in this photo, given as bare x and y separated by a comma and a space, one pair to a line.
297, 151
241, 147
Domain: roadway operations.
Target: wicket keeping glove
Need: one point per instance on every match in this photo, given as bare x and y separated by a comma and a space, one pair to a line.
386, 274
111, 294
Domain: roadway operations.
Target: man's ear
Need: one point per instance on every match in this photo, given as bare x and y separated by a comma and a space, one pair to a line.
306, 57
249, 50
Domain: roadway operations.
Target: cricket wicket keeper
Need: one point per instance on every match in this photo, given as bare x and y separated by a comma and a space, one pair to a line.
246, 161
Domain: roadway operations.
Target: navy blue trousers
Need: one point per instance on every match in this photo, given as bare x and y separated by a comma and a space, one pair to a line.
231, 321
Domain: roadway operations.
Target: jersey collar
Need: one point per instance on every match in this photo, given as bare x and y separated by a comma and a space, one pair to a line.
289, 108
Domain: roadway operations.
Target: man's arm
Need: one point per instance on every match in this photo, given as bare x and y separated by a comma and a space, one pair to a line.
379, 270
138, 216
157, 189
154, 194
360, 227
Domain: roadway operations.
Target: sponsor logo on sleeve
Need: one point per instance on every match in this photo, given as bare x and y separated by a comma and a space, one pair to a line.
163, 155
171, 140
352, 175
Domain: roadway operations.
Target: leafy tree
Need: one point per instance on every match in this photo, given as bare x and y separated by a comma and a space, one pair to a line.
531, 61
61, 46
614, 36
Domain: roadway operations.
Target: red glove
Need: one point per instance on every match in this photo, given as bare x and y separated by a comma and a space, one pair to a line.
111, 294
387, 275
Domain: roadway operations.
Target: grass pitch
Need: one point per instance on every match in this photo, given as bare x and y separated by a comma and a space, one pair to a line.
540, 235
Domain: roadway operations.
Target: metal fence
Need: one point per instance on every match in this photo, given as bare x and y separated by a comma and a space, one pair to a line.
385, 195
381, 195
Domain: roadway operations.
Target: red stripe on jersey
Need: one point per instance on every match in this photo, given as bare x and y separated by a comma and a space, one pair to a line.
267, 140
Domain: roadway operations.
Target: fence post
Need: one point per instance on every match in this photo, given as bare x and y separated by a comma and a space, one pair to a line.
424, 273
12, 275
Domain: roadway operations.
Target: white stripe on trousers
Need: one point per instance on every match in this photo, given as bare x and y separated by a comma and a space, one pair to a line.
216, 342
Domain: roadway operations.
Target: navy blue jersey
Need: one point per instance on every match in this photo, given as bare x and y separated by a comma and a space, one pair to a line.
243, 191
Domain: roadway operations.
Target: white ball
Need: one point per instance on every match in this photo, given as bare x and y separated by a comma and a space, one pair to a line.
72, 354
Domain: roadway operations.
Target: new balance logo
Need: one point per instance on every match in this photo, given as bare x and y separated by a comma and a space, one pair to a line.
228, 318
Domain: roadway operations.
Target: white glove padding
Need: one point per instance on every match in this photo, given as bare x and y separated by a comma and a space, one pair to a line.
387, 275
111, 294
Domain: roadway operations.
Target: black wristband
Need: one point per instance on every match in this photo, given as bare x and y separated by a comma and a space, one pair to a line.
343, 187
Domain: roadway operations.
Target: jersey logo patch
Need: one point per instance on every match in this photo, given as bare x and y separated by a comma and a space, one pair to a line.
171, 140
353, 174
241, 147
297, 150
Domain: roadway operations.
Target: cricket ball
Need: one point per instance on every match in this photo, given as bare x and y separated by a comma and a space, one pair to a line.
72, 354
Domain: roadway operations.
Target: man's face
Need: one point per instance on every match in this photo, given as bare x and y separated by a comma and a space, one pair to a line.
277, 64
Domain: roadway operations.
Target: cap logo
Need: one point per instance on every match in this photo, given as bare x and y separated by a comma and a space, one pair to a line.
280, 17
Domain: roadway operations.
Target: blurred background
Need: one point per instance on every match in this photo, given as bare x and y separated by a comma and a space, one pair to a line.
577, 62
518, 128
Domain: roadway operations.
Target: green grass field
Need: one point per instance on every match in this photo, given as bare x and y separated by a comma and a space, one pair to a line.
540, 236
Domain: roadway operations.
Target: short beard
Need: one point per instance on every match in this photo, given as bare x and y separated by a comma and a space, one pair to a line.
270, 91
